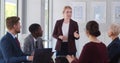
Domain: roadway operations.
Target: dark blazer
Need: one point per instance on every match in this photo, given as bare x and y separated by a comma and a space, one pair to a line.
73, 26
114, 50
10, 51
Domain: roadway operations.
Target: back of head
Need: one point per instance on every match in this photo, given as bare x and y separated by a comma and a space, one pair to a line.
34, 27
93, 28
115, 28
11, 21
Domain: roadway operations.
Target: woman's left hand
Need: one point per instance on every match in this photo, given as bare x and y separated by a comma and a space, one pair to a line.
76, 35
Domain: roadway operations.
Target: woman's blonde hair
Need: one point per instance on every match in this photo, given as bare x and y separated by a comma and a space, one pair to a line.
115, 28
67, 7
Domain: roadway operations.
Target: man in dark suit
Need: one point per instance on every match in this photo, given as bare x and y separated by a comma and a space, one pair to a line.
33, 40
10, 51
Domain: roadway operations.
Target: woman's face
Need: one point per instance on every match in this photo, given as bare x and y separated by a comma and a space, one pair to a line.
87, 33
67, 13
109, 32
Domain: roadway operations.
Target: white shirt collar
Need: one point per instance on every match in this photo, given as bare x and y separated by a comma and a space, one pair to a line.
34, 39
14, 36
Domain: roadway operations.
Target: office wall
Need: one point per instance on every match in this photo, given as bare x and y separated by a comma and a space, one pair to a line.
33, 12
30, 12
57, 14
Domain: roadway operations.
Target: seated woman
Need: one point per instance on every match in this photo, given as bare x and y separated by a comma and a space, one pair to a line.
93, 52
114, 46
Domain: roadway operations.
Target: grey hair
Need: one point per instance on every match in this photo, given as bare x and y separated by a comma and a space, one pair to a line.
115, 28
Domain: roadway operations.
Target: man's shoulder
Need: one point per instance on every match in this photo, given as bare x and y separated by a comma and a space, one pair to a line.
29, 37
39, 39
5, 39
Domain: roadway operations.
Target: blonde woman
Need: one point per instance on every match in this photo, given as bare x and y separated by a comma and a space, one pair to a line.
114, 46
66, 31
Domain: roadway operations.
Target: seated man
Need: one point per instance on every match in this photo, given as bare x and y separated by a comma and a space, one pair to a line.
33, 40
10, 51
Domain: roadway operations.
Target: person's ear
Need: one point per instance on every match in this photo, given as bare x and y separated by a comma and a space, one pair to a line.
14, 26
111, 34
35, 32
87, 33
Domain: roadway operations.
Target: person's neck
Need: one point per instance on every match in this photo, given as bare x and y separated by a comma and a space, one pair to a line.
113, 37
93, 39
12, 31
66, 20
34, 36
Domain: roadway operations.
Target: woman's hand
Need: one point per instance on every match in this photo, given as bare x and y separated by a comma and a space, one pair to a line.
63, 37
70, 58
76, 35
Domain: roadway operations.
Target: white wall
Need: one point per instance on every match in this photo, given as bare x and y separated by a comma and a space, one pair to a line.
57, 14
33, 12
30, 12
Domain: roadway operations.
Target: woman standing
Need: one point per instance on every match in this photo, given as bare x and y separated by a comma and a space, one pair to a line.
66, 31
93, 52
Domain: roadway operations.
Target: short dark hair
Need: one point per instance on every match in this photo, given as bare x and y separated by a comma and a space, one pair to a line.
11, 21
93, 28
34, 27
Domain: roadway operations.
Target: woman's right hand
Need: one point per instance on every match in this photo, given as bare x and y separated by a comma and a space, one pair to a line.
60, 37
63, 37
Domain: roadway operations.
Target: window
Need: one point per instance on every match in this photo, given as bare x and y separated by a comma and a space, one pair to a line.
1, 18
7, 8
46, 37
10, 8
48, 22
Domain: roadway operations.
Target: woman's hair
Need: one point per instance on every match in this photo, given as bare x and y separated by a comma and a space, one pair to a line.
93, 28
115, 28
67, 7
